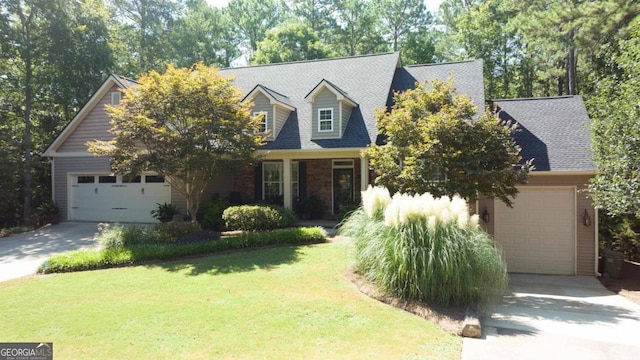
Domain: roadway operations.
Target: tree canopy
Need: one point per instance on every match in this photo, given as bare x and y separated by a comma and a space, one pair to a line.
433, 144
187, 124
616, 129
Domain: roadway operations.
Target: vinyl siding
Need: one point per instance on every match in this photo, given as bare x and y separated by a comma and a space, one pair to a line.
346, 115
325, 99
95, 126
282, 114
262, 103
585, 235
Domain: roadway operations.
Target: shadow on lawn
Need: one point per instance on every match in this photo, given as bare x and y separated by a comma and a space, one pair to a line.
234, 262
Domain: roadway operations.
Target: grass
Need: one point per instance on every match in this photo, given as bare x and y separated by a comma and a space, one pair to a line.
277, 303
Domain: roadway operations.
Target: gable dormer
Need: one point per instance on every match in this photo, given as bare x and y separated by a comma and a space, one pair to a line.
273, 106
331, 109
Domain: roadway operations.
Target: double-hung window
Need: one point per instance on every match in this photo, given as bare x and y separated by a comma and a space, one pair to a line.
263, 120
273, 180
325, 120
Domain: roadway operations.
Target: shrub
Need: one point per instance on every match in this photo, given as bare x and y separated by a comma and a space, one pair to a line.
257, 217
80, 260
119, 235
210, 214
620, 233
424, 248
311, 208
165, 212
166, 233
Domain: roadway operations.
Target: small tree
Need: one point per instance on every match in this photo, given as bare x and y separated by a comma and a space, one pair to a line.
434, 145
187, 125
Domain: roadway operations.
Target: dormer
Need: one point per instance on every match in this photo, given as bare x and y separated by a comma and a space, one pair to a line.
273, 106
331, 109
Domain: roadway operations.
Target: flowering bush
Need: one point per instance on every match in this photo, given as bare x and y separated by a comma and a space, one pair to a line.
425, 248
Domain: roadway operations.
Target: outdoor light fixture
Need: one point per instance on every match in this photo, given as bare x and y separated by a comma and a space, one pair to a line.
485, 215
586, 219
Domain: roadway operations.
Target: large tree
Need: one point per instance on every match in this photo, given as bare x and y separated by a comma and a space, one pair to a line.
253, 18
616, 129
433, 144
399, 18
187, 124
291, 42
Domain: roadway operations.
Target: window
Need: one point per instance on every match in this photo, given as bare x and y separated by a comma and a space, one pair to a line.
325, 120
263, 123
295, 180
153, 179
271, 180
107, 179
86, 179
115, 98
131, 179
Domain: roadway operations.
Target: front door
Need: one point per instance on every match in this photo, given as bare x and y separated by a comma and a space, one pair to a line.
342, 188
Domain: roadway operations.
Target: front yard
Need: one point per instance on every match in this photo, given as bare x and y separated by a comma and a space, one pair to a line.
279, 303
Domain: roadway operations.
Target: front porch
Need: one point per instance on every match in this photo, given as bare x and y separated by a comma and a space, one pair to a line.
336, 179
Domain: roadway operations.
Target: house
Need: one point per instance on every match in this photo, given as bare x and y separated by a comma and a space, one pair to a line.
319, 115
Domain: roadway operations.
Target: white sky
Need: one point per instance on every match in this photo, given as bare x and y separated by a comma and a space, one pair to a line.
432, 5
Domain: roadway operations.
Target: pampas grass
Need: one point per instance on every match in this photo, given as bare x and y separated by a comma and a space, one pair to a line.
424, 248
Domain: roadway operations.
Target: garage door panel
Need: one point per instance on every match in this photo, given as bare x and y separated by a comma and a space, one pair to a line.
116, 202
537, 235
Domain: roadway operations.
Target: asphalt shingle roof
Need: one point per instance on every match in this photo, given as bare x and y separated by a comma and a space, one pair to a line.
467, 76
554, 131
366, 80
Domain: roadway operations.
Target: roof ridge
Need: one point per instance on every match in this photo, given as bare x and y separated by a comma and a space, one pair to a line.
273, 91
442, 63
311, 61
557, 97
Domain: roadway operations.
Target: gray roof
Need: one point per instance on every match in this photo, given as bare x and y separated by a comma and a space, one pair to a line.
366, 80
467, 76
553, 131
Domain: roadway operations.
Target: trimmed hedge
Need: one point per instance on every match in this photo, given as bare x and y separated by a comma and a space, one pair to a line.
81, 260
258, 217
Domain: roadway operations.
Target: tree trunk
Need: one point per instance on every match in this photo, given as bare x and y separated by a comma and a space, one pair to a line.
571, 71
27, 141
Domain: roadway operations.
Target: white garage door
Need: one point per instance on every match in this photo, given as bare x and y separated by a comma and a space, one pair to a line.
538, 234
117, 199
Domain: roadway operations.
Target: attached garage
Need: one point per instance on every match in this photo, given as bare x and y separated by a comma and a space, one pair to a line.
96, 197
538, 235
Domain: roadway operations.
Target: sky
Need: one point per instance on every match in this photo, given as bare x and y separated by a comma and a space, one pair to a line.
432, 5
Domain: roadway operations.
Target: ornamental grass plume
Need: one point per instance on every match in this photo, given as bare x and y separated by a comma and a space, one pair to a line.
374, 200
425, 248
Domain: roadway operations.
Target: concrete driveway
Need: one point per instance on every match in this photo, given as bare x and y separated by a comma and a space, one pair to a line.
558, 317
22, 254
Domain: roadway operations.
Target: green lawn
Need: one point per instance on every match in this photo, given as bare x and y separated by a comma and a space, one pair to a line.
280, 303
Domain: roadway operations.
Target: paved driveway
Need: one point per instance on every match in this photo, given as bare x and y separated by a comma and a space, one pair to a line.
558, 317
22, 254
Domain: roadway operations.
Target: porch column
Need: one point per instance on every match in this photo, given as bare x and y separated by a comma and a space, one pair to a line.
364, 173
286, 181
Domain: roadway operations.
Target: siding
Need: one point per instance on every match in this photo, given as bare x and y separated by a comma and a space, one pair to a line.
282, 114
262, 103
95, 126
325, 99
585, 236
346, 115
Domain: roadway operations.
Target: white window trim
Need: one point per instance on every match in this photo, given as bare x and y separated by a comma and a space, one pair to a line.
321, 121
265, 120
264, 182
116, 96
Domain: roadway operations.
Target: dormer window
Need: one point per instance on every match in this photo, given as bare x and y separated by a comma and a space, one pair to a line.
325, 120
115, 98
263, 121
